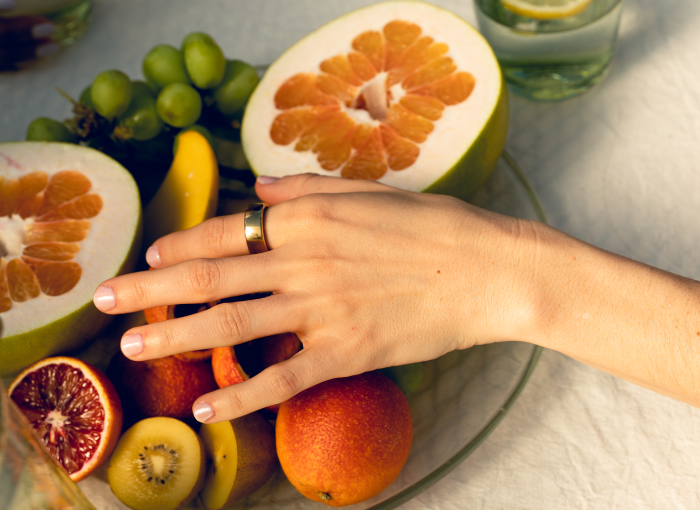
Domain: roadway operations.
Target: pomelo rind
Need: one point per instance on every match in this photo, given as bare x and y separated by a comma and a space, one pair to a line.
462, 176
84, 321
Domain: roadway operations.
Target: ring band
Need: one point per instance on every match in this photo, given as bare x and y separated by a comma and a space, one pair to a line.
254, 231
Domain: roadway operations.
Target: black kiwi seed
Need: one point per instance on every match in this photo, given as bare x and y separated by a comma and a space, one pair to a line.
146, 463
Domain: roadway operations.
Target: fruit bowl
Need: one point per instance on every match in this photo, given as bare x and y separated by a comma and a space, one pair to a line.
463, 397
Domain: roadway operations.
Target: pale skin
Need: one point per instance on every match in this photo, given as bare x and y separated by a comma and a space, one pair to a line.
370, 276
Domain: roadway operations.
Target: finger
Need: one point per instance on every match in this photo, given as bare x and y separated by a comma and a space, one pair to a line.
221, 236
223, 325
273, 385
193, 281
276, 191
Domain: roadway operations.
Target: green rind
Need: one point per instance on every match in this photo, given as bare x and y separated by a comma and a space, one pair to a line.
68, 333
470, 173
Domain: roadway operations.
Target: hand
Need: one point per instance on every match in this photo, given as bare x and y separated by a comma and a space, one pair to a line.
367, 275
23, 38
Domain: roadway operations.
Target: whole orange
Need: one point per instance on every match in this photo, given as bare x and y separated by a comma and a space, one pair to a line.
345, 440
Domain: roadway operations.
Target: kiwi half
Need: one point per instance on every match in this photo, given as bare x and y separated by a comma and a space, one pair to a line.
158, 464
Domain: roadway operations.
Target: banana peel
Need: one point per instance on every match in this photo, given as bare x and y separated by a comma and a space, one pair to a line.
189, 193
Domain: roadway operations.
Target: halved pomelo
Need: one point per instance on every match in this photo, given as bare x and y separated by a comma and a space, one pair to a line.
74, 411
70, 218
402, 92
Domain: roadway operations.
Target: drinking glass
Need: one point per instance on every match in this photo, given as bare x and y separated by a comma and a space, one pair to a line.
29, 477
551, 59
32, 29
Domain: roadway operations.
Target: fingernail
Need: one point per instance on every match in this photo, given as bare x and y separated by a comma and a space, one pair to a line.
43, 30
46, 50
132, 344
104, 298
6, 5
203, 411
153, 257
266, 179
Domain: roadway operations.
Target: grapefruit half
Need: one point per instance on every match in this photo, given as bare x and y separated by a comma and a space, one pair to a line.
69, 218
402, 92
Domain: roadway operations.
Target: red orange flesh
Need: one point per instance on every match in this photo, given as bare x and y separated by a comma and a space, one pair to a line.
73, 409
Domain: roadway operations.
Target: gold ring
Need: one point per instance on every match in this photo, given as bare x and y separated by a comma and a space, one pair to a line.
254, 231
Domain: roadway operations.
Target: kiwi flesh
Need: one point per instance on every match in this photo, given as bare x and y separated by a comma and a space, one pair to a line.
158, 464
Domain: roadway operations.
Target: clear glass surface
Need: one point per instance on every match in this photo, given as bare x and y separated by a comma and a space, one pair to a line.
70, 17
29, 478
551, 59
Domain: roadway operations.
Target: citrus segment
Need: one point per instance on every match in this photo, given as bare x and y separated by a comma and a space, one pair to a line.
52, 251
351, 82
425, 106
400, 153
66, 231
55, 278
368, 161
362, 66
340, 66
83, 207
301, 90
62, 187
5, 301
21, 281
371, 45
11, 192
451, 90
398, 36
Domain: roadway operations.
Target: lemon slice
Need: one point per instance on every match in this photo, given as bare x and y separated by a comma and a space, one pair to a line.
546, 9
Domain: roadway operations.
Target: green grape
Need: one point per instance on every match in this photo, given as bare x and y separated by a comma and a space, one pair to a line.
407, 377
164, 65
158, 147
204, 60
199, 129
192, 37
179, 104
49, 130
238, 84
142, 118
111, 93
85, 97
141, 88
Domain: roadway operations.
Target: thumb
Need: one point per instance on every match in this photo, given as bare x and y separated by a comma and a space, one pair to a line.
275, 190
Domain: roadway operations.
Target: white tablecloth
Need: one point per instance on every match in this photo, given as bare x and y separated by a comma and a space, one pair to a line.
617, 167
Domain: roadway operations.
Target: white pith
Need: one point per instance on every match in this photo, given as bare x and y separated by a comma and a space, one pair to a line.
108, 242
13, 235
453, 134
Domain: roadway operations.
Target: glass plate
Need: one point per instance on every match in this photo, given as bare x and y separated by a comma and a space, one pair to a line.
463, 397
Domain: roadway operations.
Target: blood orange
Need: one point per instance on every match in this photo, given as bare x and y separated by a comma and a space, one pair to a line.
402, 92
69, 219
74, 410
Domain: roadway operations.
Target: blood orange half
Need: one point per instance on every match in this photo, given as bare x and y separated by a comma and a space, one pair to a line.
74, 411
69, 219
402, 92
